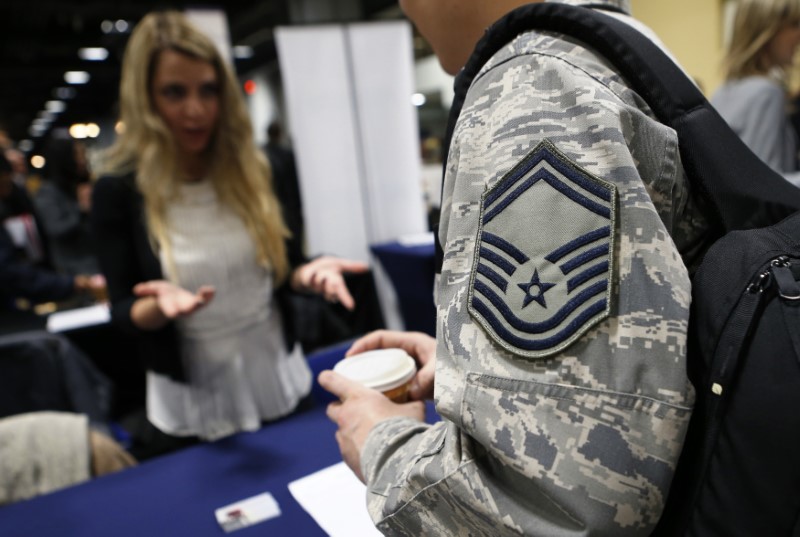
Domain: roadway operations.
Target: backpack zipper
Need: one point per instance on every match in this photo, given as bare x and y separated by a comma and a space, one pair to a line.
777, 270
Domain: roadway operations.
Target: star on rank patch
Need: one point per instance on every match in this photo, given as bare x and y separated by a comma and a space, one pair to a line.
544, 255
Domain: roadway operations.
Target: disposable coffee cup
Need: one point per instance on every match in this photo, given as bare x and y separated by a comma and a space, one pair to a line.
389, 371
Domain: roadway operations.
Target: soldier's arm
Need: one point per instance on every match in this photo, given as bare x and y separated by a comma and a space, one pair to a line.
577, 430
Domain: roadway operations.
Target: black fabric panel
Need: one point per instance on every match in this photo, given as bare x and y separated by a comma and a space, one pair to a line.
760, 432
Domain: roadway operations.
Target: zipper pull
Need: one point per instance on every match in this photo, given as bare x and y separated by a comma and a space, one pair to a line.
788, 288
760, 282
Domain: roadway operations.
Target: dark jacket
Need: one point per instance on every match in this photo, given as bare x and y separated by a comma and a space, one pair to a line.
126, 259
66, 228
287, 186
21, 277
42, 371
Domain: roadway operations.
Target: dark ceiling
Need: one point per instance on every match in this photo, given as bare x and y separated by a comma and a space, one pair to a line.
39, 40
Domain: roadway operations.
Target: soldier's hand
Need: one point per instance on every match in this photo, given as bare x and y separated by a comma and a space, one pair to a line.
357, 412
420, 346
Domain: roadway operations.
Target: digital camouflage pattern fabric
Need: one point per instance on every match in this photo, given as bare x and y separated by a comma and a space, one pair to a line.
536, 297
559, 419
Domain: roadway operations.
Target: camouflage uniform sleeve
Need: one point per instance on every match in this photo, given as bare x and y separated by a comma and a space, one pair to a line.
563, 308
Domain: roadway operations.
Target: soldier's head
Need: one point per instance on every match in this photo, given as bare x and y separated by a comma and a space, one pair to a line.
453, 27
764, 36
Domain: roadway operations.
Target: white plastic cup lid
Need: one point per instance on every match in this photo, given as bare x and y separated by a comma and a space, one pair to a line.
382, 369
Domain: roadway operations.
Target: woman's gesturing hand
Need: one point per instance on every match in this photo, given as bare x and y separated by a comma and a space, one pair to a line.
325, 276
167, 301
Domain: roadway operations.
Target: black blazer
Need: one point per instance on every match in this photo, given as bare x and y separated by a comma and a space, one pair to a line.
123, 249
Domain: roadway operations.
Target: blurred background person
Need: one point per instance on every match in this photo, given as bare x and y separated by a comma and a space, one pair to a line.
19, 166
185, 214
5, 139
754, 99
19, 217
24, 269
63, 201
284, 180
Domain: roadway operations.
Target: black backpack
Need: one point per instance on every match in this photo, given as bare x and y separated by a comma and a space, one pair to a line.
739, 473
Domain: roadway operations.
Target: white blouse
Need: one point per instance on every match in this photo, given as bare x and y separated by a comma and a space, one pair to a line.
238, 369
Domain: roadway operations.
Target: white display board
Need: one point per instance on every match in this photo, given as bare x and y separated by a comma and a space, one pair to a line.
348, 94
320, 106
388, 124
214, 23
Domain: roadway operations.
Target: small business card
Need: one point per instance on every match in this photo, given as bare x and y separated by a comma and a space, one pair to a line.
247, 512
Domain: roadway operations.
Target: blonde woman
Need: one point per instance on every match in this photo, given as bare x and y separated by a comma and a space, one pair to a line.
193, 246
754, 99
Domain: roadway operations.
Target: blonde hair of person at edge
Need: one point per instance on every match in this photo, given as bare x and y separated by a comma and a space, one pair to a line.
755, 99
186, 158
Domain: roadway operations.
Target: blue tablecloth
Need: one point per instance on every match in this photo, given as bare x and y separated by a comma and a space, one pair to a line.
176, 495
411, 270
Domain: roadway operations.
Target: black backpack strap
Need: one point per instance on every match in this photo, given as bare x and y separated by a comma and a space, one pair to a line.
739, 189
604, 7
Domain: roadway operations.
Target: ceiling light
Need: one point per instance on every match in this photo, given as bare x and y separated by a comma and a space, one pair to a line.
36, 130
55, 107
121, 25
25, 145
107, 26
418, 99
93, 54
78, 130
242, 52
76, 77
64, 93
37, 161
92, 130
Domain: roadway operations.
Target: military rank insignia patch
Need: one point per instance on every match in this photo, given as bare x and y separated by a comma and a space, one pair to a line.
544, 254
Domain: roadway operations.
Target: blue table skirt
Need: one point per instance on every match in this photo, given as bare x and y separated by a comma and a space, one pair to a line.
412, 270
176, 495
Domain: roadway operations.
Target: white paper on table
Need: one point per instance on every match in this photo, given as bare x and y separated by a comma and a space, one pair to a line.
417, 239
78, 318
336, 500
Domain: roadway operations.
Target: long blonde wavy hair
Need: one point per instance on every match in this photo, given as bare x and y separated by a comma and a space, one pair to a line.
755, 24
239, 171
